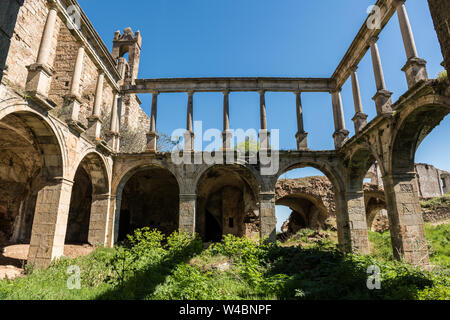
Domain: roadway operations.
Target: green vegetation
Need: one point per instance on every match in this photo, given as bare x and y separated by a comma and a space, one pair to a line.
151, 266
436, 202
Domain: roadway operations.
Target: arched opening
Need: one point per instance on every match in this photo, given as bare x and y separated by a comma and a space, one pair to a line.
90, 185
150, 198
80, 209
30, 156
305, 199
227, 203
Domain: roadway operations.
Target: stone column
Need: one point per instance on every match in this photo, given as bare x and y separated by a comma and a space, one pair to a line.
226, 134
382, 98
95, 124
99, 219
264, 134
268, 220
113, 135
74, 96
359, 240
360, 118
415, 68
405, 218
40, 73
440, 13
152, 136
50, 222
187, 212
341, 134
189, 134
301, 135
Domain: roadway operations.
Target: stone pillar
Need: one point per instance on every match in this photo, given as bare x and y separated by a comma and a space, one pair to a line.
95, 124
405, 218
113, 135
360, 118
359, 240
74, 96
301, 135
382, 98
50, 222
8, 17
152, 136
341, 134
415, 68
226, 134
264, 134
99, 219
268, 220
187, 212
189, 134
40, 73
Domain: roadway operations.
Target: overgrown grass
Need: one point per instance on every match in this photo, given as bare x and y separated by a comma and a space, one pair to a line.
436, 202
151, 266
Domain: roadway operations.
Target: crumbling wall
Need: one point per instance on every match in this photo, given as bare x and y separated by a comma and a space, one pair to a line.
429, 180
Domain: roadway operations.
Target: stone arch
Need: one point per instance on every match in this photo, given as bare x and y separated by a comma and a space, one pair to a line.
30, 155
227, 201
170, 177
413, 127
357, 165
34, 135
330, 172
89, 204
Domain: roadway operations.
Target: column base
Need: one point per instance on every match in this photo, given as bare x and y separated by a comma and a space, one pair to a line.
264, 140
227, 135
302, 141
113, 141
383, 102
188, 141
38, 80
360, 120
94, 128
340, 137
72, 118
152, 139
415, 70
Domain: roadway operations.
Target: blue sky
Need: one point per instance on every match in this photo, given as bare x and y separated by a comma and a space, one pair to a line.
207, 38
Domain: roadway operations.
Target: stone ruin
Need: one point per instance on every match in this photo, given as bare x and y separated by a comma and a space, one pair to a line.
79, 160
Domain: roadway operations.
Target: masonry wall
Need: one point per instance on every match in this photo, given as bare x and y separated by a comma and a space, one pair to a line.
26, 40
429, 181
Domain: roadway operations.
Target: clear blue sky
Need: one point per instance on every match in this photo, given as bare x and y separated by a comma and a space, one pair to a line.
207, 38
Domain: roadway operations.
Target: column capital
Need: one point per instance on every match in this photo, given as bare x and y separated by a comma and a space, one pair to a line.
262, 92
336, 90
354, 68
226, 91
373, 41
190, 92
398, 3
155, 92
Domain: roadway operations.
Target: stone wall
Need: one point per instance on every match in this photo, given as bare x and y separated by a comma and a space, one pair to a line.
440, 12
26, 40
